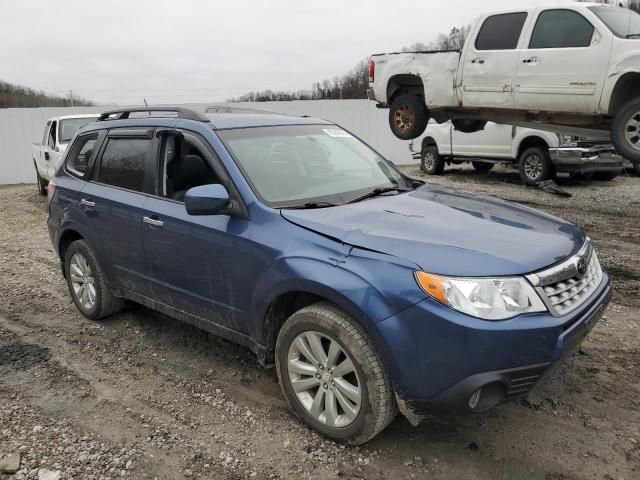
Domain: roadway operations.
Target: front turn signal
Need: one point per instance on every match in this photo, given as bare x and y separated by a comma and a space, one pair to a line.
433, 285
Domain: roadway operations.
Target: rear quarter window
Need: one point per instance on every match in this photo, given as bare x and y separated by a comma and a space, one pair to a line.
82, 154
501, 32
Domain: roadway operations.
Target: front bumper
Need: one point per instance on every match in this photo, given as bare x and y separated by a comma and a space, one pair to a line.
438, 358
586, 159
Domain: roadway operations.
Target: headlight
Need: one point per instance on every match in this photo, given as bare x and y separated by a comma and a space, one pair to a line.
566, 140
486, 298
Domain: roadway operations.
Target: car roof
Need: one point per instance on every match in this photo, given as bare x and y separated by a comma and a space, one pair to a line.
223, 121
67, 117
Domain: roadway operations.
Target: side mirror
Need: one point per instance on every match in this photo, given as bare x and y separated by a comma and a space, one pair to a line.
206, 200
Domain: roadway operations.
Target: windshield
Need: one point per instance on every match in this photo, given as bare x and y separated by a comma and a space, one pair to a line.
289, 166
69, 127
621, 21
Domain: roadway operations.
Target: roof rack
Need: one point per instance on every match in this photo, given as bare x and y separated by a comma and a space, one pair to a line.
181, 112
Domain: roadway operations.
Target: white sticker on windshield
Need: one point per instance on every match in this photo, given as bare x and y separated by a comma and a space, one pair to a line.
336, 133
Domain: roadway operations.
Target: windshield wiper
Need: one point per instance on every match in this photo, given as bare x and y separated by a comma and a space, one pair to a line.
633, 35
309, 206
376, 192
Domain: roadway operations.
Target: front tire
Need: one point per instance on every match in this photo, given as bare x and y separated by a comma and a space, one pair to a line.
408, 117
431, 162
625, 131
535, 166
87, 283
331, 375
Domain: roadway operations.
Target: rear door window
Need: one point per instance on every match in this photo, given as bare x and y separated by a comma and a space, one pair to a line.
501, 32
125, 161
561, 29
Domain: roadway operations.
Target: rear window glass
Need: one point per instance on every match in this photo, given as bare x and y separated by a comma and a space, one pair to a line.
81, 156
501, 32
123, 163
561, 29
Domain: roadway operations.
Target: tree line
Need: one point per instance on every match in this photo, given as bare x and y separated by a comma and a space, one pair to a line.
17, 96
354, 84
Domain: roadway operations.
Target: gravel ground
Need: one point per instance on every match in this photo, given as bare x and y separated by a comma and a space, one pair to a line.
144, 396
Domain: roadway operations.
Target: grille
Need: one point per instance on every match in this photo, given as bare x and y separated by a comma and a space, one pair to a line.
564, 288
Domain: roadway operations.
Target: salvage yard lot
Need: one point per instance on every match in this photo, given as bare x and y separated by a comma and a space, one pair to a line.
141, 395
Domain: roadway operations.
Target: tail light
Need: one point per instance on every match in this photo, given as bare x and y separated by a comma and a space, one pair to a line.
51, 189
372, 71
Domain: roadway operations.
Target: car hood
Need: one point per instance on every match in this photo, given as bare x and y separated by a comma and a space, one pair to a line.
449, 232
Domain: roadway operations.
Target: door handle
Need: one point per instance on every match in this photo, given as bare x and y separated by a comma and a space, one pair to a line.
154, 222
46, 156
478, 60
530, 60
87, 203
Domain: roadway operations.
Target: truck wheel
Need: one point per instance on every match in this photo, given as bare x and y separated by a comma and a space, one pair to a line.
408, 117
535, 165
467, 125
625, 131
87, 283
331, 375
42, 183
431, 162
605, 176
482, 166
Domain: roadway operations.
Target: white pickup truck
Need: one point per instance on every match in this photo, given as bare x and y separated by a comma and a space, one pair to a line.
58, 132
573, 68
537, 154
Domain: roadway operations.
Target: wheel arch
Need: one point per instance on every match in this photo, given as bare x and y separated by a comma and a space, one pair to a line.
530, 142
626, 88
428, 142
404, 84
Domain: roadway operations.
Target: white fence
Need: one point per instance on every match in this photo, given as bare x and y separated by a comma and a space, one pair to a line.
21, 127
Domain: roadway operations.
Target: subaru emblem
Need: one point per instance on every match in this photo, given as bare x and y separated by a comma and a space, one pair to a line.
582, 266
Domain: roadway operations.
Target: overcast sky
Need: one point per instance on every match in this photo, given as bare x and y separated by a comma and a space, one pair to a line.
200, 51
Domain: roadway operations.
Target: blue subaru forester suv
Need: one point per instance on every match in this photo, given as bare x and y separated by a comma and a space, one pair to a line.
370, 291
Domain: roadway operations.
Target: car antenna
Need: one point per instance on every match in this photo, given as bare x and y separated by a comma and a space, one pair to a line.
146, 105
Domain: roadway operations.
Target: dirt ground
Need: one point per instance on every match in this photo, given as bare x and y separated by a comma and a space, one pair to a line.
143, 396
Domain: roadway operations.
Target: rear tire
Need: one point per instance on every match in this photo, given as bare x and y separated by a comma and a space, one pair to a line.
625, 131
42, 183
431, 162
535, 165
482, 166
87, 283
408, 117
317, 398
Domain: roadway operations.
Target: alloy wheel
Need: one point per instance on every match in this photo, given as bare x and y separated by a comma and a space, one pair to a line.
533, 167
324, 379
82, 281
632, 131
429, 160
403, 118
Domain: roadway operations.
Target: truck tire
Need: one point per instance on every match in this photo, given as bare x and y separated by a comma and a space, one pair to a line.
42, 183
87, 283
408, 117
467, 125
535, 166
431, 162
625, 130
482, 166
605, 176
332, 376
